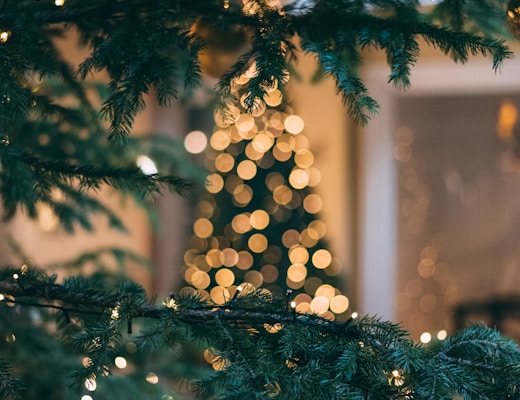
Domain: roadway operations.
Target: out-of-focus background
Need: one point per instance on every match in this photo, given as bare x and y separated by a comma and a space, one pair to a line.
421, 206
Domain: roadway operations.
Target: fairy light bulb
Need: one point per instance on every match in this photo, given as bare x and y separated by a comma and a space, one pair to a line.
4, 36
59, 3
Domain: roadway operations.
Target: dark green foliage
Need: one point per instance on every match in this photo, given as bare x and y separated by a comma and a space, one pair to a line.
263, 350
62, 130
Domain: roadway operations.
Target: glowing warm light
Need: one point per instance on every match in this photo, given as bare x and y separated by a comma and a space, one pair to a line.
90, 385
312, 203
297, 272
200, 279
326, 291
225, 277
304, 159
203, 227
245, 260
442, 335
48, 221
273, 98
259, 219
262, 142
120, 362
507, 118
59, 3
298, 178
255, 278
320, 305
245, 122
426, 268
294, 124
214, 183
224, 162
220, 140
241, 223
243, 194
2, 297
219, 295
229, 257
257, 243
298, 255
354, 315
426, 337
115, 313
246, 169
86, 397
152, 378
282, 195
321, 259
4, 36
146, 165
339, 304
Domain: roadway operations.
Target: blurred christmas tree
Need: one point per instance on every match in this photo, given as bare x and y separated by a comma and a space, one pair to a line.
54, 122
257, 222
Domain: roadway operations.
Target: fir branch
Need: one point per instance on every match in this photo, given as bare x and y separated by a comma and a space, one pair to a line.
10, 383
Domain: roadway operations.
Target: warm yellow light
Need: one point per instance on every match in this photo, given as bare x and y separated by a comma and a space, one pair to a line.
214, 183
4, 36
245, 260
304, 159
507, 118
317, 229
320, 305
298, 178
326, 291
252, 154
257, 243
426, 337
59, 3
246, 169
294, 124
298, 255
195, 142
213, 258
147, 165
262, 142
86, 397
219, 295
442, 335
220, 140
282, 195
224, 162
339, 304
259, 219
243, 194
120, 362
321, 258
152, 378
200, 279
224, 277
273, 98
229, 257
297, 272
245, 122
290, 238
90, 385
255, 278
273, 180
241, 223
203, 227
312, 203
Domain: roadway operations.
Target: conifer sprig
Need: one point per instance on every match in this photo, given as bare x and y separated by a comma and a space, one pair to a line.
263, 348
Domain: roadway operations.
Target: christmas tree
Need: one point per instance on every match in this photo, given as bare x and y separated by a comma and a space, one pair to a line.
67, 130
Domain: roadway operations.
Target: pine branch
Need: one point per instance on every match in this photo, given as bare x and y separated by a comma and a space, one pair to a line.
266, 348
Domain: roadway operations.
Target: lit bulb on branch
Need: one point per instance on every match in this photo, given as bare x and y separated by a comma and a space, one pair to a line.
513, 17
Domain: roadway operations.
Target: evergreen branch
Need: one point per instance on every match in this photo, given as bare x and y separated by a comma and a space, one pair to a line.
10, 383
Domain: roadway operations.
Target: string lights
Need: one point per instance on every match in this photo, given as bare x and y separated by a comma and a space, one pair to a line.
258, 221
